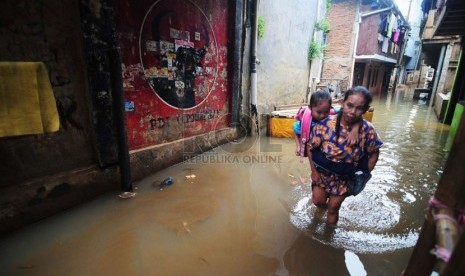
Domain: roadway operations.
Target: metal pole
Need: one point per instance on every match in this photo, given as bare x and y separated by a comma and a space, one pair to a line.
237, 63
253, 66
120, 118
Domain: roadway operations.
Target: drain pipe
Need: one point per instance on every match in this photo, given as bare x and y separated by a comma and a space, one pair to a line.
238, 30
376, 11
253, 66
120, 118
311, 79
355, 44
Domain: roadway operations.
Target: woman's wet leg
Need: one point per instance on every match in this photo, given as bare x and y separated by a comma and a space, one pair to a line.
334, 204
319, 197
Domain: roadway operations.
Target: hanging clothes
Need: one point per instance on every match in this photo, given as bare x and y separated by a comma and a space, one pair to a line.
385, 46
380, 38
391, 18
401, 36
394, 27
396, 36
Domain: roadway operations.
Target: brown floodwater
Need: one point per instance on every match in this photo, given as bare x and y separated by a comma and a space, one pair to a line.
245, 209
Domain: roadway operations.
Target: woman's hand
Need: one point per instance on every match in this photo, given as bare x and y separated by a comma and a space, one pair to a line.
315, 173
316, 176
352, 138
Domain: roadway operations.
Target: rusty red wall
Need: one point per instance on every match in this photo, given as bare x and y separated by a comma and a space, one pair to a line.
174, 55
368, 43
368, 36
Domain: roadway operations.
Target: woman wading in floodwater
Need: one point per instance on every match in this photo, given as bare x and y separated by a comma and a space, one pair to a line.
331, 149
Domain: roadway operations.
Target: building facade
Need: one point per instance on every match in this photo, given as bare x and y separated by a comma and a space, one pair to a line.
139, 86
366, 44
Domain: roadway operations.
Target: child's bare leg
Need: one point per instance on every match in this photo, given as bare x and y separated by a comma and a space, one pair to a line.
297, 144
334, 204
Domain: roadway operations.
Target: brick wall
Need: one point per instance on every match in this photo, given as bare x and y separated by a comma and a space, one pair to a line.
339, 49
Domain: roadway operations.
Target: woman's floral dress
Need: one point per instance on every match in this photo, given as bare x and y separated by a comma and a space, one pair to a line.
324, 136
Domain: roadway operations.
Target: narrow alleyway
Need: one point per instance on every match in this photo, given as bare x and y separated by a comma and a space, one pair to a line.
243, 209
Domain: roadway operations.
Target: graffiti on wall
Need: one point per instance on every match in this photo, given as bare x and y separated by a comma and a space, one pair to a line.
161, 122
175, 68
178, 56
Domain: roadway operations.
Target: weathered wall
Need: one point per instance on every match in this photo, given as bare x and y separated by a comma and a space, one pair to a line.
368, 35
175, 68
43, 174
453, 65
47, 31
368, 43
283, 71
339, 51
374, 76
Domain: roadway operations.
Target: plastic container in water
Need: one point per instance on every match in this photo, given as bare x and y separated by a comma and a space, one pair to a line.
167, 182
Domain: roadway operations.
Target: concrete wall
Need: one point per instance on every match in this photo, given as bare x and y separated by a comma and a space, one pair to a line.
413, 49
41, 175
283, 72
28, 34
37, 171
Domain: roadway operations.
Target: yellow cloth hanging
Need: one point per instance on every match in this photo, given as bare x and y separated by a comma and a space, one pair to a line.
27, 104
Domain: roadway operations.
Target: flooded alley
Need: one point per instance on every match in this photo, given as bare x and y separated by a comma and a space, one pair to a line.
245, 209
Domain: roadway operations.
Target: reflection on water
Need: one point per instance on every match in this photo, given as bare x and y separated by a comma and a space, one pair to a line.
354, 265
364, 226
245, 208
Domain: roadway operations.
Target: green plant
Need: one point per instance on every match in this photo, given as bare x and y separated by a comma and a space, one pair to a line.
322, 25
328, 6
315, 50
261, 27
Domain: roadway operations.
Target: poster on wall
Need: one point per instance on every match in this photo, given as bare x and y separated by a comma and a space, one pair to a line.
171, 24
180, 50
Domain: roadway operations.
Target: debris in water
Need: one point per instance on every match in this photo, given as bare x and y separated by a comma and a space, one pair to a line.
290, 175
185, 224
168, 181
126, 195
204, 260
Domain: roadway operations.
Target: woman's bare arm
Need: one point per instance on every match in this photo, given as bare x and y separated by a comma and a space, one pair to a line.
372, 160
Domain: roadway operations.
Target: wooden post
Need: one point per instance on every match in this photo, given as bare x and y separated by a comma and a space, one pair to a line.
446, 234
456, 265
450, 192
